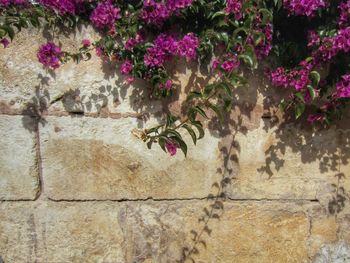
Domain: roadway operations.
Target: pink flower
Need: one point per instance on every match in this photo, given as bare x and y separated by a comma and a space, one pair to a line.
187, 47
315, 117
126, 67
49, 55
99, 51
343, 87
130, 80
231, 64
5, 42
215, 63
86, 42
171, 147
104, 15
167, 85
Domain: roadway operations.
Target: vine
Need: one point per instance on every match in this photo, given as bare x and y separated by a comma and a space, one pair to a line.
297, 37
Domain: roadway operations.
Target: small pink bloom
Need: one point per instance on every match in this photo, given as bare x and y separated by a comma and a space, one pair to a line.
130, 80
171, 147
215, 63
86, 42
99, 52
5, 42
126, 67
315, 117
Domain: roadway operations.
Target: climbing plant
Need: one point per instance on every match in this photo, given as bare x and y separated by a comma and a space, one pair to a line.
299, 38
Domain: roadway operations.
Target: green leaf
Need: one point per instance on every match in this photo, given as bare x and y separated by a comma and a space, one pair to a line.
266, 16
191, 132
217, 111
161, 142
300, 96
227, 89
311, 91
199, 110
200, 129
9, 30
217, 14
299, 110
182, 145
194, 94
315, 77
170, 120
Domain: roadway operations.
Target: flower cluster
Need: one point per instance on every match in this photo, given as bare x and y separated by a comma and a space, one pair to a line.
303, 7
166, 46
344, 14
126, 67
331, 46
13, 2
187, 47
263, 48
343, 87
234, 7
157, 13
105, 15
49, 55
297, 78
133, 41
61, 6
231, 63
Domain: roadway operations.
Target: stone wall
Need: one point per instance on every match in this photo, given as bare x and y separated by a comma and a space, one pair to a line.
77, 186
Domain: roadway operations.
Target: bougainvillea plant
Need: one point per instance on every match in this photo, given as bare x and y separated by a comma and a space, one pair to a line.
300, 36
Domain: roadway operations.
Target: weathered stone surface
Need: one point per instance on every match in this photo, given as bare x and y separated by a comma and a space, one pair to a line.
91, 87
156, 232
18, 161
290, 162
89, 158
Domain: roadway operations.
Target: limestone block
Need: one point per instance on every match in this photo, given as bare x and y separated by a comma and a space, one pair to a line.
158, 232
94, 158
18, 158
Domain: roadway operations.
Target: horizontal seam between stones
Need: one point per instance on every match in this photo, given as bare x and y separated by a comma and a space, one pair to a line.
183, 199
158, 200
86, 115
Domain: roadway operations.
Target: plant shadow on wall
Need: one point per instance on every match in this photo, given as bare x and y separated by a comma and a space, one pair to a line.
329, 147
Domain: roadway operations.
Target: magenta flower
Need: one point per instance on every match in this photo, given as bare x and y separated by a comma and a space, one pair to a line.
86, 42
164, 48
187, 47
133, 41
230, 64
49, 55
344, 8
61, 6
5, 42
171, 147
104, 15
263, 48
167, 85
13, 2
303, 7
313, 39
234, 7
126, 67
312, 118
343, 87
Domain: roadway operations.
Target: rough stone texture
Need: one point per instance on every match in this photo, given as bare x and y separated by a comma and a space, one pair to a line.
91, 87
285, 188
89, 158
157, 232
19, 178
